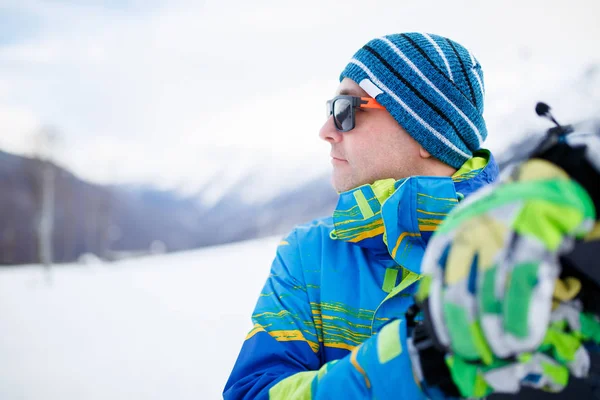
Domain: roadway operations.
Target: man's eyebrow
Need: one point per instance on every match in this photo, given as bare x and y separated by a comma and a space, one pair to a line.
350, 92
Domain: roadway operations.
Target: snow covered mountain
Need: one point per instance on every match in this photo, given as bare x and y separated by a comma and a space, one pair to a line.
249, 197
116, 221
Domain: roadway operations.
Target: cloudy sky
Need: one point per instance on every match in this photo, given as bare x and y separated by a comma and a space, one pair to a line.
173, 92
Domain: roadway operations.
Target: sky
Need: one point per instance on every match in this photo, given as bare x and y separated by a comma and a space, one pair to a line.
177, 93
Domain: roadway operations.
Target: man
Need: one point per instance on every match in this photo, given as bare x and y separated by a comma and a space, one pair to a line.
405, 129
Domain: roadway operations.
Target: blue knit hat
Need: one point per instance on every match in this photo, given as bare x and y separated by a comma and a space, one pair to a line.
431, 85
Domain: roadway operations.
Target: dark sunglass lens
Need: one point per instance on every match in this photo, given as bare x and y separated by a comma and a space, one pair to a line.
342, 113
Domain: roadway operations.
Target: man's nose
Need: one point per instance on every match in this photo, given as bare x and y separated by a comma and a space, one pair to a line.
329, 133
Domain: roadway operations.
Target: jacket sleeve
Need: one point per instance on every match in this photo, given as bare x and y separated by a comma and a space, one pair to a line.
281, 356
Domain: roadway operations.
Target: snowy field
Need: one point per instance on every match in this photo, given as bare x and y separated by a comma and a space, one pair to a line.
163, 327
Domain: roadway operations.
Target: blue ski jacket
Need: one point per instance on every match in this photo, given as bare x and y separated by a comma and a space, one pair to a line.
330, 321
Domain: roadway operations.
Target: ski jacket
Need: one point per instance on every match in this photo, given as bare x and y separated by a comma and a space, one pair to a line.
330, 321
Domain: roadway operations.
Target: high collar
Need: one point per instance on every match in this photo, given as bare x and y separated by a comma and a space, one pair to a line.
396, 218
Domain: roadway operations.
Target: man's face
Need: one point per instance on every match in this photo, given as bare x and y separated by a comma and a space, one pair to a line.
377, 147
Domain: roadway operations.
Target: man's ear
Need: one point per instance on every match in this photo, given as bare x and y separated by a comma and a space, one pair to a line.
424, 153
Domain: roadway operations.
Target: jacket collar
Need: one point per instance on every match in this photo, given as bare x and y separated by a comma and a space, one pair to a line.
396, 218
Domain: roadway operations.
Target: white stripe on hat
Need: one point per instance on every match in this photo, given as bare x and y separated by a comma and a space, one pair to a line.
441, 53
476, 74
380, 84
370, 88
414, 68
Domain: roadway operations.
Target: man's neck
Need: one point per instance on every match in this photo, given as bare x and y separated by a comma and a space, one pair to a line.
438, 168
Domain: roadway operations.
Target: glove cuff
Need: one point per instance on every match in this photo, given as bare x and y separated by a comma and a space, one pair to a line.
430, 366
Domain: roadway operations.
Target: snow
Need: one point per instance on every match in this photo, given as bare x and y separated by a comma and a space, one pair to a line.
159, 327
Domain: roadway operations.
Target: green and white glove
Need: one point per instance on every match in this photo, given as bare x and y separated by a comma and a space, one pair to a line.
492, 289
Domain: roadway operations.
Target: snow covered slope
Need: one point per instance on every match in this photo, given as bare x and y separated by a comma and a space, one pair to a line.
163, 327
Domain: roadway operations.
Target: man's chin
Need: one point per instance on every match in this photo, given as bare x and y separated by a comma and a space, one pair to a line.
342, 184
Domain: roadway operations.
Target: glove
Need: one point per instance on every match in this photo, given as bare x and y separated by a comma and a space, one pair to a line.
493, 293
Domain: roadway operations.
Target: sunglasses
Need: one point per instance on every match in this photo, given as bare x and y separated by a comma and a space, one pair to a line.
342, 107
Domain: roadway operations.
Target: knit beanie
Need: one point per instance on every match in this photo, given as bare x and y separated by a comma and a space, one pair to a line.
431, 85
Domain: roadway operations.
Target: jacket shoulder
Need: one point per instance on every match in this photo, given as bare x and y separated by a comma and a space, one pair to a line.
306, 245
311, 231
